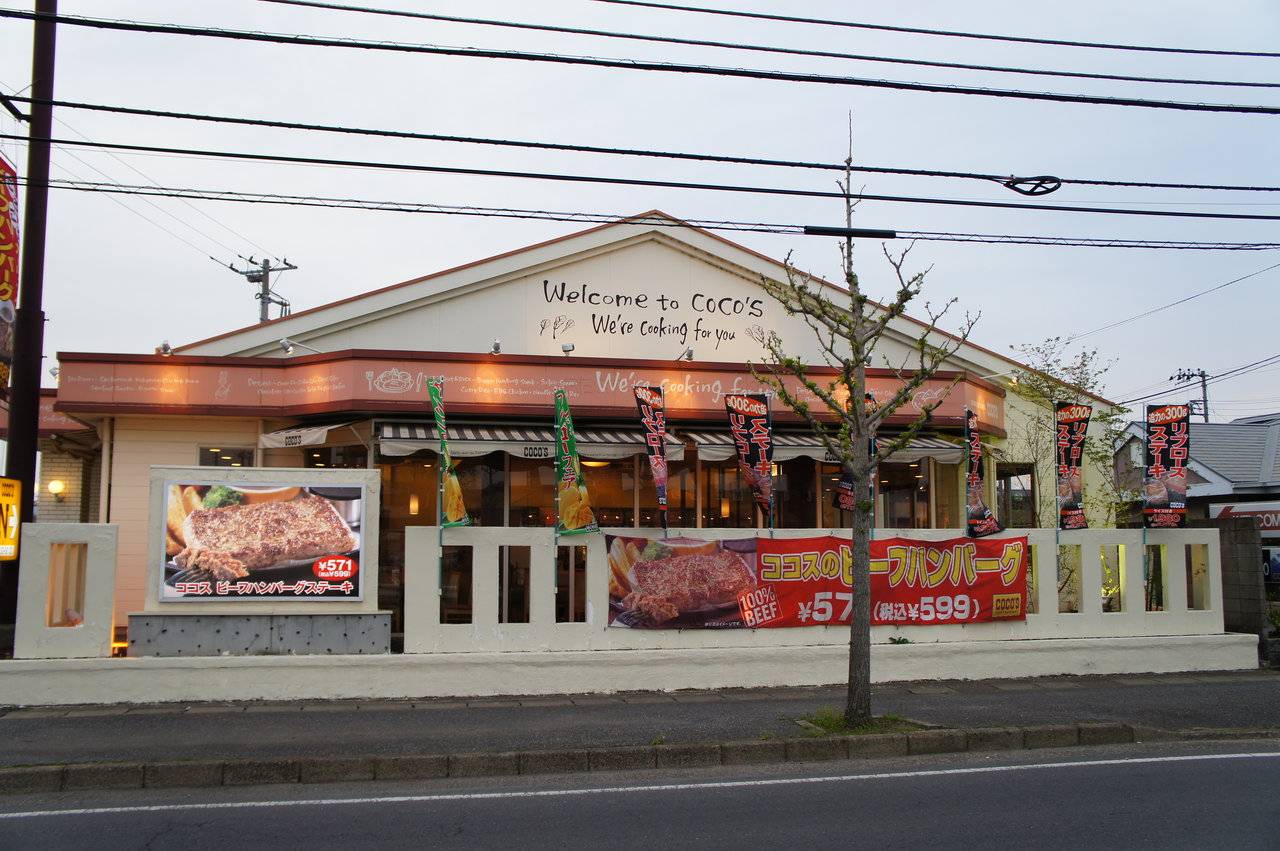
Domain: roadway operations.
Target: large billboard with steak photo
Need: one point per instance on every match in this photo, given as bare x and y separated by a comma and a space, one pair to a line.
258, 540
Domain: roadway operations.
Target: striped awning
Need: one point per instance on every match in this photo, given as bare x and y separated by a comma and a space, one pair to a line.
718, 445
469, 440
308, 435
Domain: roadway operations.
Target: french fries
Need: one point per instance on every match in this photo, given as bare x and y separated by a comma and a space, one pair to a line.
182, 499
620, 561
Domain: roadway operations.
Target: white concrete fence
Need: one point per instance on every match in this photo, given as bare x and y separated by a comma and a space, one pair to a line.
1084, 584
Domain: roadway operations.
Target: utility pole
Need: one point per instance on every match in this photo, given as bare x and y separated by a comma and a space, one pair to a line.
28, 326
1187, 375
260, 274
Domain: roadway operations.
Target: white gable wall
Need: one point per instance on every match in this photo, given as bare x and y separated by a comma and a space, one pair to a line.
504, 298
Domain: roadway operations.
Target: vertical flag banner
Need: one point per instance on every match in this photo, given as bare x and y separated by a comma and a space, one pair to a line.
1072, 423
575, 517
8, 265
453, 511
1164, 482
980, 520
653, 415
749, 421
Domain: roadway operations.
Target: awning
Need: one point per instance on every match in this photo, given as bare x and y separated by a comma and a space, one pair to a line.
719, 446
308, 435
471, 441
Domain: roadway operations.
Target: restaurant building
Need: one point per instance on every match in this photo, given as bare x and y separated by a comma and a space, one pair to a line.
646, 300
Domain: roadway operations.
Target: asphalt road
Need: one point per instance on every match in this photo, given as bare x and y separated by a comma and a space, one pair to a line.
1238, 700
1167, 796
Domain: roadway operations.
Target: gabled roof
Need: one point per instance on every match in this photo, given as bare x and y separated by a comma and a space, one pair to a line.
448, 279
1238, 452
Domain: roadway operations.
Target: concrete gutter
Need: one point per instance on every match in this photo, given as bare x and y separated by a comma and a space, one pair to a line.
254, 772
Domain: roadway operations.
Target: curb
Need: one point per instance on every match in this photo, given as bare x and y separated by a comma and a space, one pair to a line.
253, 772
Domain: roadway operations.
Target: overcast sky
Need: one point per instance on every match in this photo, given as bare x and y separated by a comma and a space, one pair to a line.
115, 283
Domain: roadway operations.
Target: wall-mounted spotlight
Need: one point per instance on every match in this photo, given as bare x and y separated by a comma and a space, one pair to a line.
287, 346
687, 354
567, 348
497, 348
165, 349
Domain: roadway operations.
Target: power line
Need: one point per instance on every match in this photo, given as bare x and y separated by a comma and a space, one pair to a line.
608, 218
665, 184
635, 152
947, 33
757, 48
1235, 372
633, 64
1184, 300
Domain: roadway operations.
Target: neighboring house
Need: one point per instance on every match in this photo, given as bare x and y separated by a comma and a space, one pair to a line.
1231, 463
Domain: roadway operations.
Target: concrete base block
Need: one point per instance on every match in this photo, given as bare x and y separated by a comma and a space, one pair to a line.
335, 770
622, 759
878, 744
103, 776
415, 767
753, 753
35, 682
167, 775
995, 739
255, 772
686, 756
483, 764
1051, 736
553, 762
816, 749
936, 741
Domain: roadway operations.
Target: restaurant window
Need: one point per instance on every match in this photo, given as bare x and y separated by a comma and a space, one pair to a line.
513, 584
612, 488
533, 492
904, 491
484, 485
409, 489
355, 456
455, 587
832, 517
571, 584
222, 456
681, 496
794, 489
726, 497
947, 497
1015, 495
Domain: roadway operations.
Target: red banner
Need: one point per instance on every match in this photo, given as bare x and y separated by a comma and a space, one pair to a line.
8, 265
1073, 426
687, 583
961, 580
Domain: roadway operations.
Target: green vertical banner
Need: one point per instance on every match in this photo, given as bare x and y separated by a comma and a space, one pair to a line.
572, 504
452, 510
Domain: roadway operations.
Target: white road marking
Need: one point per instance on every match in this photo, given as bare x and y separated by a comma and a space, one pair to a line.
611, 790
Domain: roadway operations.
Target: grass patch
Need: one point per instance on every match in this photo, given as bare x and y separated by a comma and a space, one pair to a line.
829, 721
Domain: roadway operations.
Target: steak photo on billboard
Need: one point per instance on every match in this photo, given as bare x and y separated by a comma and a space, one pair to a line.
1164, 480
262, 541
1072, 423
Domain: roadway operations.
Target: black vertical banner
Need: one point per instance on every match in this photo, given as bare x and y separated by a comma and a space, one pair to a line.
980, 522
1072, 424
653, 416
1164, 480
749, 421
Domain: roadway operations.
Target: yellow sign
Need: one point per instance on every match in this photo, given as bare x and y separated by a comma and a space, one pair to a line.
10, 497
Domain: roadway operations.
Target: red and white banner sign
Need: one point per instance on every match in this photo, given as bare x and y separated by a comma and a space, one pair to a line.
687, 583
961, 580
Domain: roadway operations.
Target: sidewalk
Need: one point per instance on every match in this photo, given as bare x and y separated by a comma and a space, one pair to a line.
1226, 701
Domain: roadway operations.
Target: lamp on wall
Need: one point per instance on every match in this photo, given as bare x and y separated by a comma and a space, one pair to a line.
496, 349
567, 348
288, 346
165, 350
687, 354
57, 487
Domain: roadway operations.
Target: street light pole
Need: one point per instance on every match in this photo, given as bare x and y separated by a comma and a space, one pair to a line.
28, 349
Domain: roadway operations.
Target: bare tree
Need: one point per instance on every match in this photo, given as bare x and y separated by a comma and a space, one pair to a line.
847, 335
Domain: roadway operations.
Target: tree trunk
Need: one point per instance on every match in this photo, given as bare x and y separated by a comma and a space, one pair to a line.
858, 700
